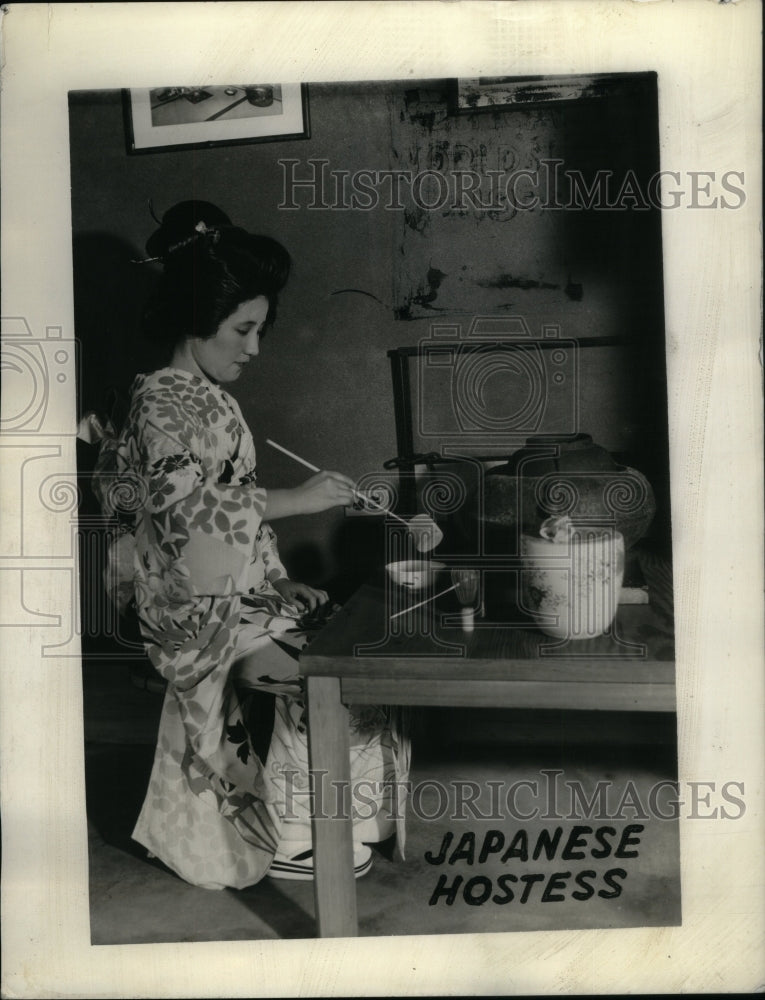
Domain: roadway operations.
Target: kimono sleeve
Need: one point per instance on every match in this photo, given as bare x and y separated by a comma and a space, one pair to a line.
270, 554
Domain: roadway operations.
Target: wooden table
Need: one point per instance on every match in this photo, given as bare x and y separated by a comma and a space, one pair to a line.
425, 658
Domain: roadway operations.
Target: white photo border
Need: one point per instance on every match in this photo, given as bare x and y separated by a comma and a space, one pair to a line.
708, 59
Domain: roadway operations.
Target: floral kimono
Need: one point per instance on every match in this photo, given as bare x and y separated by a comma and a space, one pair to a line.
204, 565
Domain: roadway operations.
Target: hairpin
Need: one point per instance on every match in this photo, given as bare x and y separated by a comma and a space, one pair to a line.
199, 230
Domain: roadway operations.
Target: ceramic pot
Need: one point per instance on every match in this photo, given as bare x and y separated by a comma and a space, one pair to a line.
571, 587
558, 476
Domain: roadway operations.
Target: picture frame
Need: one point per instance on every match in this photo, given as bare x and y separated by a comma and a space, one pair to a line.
159, 119
511, 93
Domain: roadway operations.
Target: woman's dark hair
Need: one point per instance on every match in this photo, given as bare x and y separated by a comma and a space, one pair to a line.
210, 267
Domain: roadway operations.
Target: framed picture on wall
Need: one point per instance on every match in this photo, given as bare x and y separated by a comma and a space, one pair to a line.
503, 93
163, 118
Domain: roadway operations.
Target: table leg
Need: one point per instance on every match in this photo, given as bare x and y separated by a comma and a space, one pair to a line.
329, 760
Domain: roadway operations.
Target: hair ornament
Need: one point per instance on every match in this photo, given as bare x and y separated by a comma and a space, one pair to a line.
201, 229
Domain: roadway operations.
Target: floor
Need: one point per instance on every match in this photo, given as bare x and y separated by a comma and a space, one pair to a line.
136, 900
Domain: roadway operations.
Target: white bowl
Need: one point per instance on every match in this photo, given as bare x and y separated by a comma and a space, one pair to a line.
414, 574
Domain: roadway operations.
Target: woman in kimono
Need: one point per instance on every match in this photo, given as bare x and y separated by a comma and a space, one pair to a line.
228, 799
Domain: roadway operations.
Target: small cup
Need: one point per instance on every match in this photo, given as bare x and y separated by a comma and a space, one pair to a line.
414, 574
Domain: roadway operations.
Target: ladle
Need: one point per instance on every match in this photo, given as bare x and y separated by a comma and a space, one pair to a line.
423, 529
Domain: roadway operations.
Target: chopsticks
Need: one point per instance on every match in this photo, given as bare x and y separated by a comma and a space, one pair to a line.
313, 468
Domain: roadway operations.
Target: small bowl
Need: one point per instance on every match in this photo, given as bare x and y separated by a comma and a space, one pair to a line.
414, 574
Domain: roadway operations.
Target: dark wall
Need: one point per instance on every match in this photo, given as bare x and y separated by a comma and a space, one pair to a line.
322, 384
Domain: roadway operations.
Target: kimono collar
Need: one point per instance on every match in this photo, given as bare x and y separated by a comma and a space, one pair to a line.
196, 381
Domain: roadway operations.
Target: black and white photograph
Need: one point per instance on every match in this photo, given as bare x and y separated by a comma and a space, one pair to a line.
470, 337
382, 602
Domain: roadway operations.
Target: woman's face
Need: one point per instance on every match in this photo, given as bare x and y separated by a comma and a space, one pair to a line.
223, 356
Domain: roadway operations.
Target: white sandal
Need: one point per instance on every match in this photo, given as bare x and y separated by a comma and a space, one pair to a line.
297, 864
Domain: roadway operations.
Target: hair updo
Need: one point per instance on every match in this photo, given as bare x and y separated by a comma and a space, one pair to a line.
210, 267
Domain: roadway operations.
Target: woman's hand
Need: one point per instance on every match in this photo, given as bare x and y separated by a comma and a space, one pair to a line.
325, 490
320, 492
300, 594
